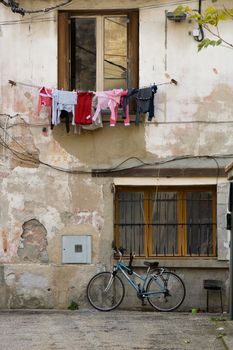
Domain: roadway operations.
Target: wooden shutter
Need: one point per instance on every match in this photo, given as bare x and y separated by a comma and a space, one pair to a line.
63, 51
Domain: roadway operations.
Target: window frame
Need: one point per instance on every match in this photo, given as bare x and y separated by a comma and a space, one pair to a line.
64, 44
182, 229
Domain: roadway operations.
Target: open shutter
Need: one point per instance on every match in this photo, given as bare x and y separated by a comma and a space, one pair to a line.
63, 51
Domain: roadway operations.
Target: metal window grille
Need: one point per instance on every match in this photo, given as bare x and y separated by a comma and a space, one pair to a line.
167, 222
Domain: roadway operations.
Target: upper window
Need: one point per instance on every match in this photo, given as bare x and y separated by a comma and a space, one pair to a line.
179, 221
98, 51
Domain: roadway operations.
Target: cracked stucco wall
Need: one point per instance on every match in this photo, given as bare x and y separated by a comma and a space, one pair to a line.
59, 203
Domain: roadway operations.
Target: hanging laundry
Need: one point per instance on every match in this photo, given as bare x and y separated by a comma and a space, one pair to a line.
45, 99
108, 99
66, 116
94, 107
125, 101
67, 101
83, 109
55, 117
63, 101
97, 124
145, 102
125, 110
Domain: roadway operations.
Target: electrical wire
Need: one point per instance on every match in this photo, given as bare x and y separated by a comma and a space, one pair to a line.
28, 156
201, 35
175, 3
157, 163
23, 123
14, 6
110, 170
28, 21
10, 116
192, 122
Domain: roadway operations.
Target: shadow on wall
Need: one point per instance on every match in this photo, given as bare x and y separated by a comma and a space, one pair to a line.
105, 147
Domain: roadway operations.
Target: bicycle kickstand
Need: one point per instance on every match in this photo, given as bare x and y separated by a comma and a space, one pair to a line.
143, 301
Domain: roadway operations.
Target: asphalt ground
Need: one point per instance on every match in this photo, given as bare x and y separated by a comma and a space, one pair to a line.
91, 329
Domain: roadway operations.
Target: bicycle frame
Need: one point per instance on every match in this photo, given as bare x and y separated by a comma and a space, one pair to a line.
121, 266
163, 289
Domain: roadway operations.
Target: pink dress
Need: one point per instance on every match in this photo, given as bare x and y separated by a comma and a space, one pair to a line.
109, 99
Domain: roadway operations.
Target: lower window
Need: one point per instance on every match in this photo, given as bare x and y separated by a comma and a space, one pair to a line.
168, 221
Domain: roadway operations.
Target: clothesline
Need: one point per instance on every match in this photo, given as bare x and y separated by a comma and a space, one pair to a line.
86, 107
15, 83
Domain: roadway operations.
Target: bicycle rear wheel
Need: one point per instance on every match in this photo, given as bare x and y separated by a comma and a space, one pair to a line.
166, 292
105, 292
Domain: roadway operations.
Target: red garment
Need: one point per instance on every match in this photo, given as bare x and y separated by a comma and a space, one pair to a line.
45, 99
83, 109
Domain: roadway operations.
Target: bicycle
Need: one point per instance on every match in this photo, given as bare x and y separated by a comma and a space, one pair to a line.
164, 290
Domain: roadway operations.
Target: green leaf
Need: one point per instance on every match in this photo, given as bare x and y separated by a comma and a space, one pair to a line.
182, 9
207, 42
223, 15
210, 11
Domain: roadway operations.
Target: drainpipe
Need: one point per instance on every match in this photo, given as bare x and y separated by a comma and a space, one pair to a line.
231, 254
201, 35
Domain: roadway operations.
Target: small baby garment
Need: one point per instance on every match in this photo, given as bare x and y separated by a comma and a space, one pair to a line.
63, 101
145, 102
45, 99
125, 111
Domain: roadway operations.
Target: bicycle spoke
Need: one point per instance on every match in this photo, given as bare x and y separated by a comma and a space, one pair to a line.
166, 292
105, 292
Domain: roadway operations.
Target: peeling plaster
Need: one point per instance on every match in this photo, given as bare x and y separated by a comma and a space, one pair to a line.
89, 217
167, 140
10, 279
29, 280
51, 219
33, 244
16, 200
27, 290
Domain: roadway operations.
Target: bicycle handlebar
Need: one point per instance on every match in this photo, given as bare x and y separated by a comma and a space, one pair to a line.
131, 256
121, 251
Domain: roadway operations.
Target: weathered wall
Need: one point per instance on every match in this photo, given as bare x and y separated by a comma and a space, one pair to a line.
195, 293
39, 204
204, 92
167, 50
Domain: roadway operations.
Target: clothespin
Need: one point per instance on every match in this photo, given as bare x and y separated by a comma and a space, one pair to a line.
12, 83
173, 81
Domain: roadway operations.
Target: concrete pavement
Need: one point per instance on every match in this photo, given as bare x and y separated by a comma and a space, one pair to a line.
90, 329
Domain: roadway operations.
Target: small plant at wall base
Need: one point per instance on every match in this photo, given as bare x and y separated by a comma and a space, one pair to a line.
209, 20
73, 306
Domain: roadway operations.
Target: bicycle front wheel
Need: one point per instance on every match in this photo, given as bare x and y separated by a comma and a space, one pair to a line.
165, 292
105, 292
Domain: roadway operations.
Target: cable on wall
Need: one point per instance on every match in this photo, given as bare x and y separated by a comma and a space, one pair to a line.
14, 6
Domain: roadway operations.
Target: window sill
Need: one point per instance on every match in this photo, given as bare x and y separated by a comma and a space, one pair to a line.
185, 263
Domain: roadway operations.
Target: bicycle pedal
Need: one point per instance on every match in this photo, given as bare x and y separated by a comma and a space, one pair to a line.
144, 303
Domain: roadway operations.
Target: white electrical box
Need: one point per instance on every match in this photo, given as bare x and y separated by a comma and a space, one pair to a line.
76, 249
196, 32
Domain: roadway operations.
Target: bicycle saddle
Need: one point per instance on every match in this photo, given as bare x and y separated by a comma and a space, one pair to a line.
151, 264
